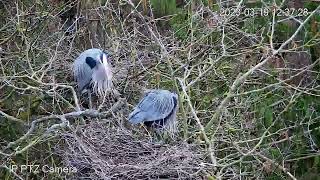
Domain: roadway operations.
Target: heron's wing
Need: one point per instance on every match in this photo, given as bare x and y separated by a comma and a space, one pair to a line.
156, 105
82, 73
137, 116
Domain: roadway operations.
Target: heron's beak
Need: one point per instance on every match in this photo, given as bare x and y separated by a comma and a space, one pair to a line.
104, 58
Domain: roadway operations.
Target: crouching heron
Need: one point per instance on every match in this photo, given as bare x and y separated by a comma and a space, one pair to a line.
92, 70
157, 109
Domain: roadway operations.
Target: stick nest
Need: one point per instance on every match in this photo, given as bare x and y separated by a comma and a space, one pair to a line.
100, 152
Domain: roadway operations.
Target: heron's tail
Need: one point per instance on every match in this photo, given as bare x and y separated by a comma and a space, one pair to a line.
136, 116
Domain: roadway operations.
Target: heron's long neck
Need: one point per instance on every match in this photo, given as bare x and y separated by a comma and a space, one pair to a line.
108, 70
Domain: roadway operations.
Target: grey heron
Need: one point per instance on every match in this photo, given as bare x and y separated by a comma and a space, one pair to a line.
156, 109
91, 69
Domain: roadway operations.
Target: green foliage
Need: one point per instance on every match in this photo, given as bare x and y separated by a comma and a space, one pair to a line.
303, 109
268, 116
10, 131
163, 7
311, 5
180, 25
275, 153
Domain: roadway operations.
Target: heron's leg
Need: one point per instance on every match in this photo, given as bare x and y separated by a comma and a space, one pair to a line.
103, 101
146, 129
90, 100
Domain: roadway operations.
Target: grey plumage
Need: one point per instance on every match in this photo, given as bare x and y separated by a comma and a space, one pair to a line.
92, 68
157, 109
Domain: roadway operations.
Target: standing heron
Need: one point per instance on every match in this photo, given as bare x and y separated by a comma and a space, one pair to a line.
92, 70
156, 109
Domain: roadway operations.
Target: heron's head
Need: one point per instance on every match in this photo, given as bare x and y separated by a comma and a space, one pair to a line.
101, 71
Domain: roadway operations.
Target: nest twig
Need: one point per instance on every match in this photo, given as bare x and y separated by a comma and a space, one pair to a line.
99, 152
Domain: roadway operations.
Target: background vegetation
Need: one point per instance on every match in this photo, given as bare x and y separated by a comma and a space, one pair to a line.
248, 85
